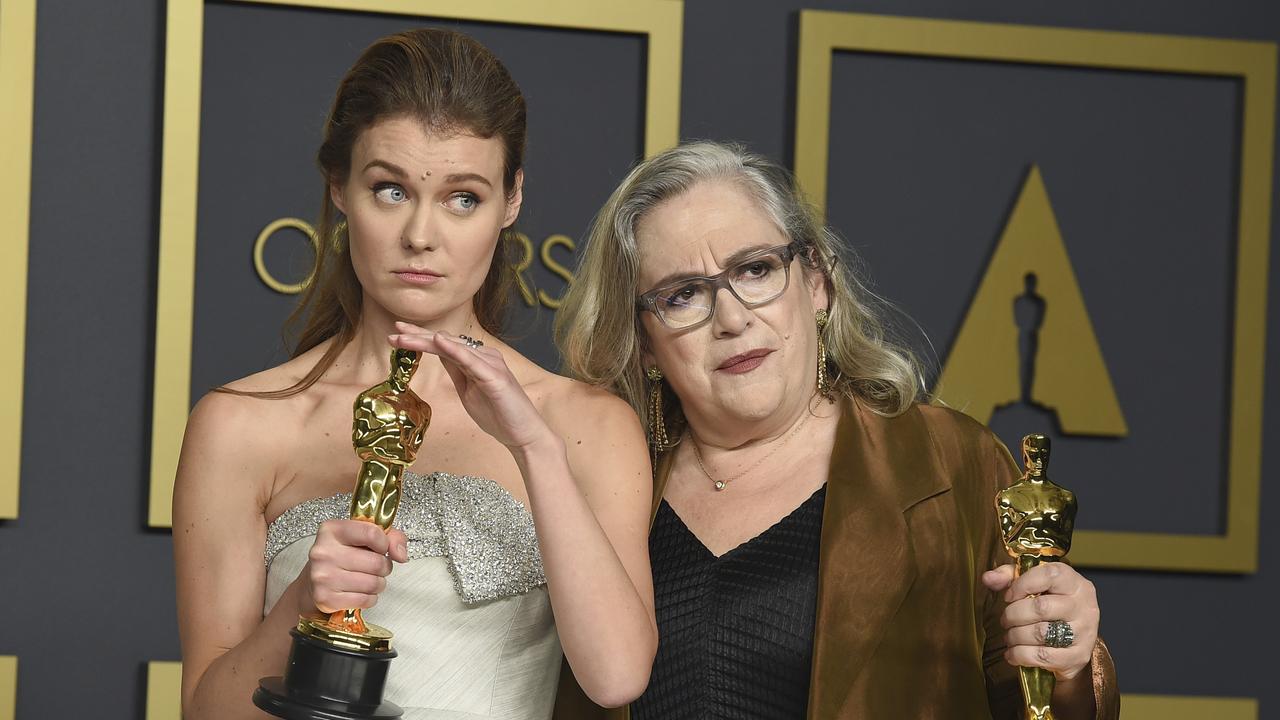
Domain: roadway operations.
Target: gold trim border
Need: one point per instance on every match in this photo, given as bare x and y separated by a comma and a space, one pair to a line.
1254, 63
8, 682
660, 20
17, 88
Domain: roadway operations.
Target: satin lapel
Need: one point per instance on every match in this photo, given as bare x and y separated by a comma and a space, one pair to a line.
867, 564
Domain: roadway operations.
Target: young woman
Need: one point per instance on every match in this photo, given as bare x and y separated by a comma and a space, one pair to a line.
522, 526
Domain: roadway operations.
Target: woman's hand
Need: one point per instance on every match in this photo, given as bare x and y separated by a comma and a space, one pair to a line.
1047, 592
348, 566
489, 391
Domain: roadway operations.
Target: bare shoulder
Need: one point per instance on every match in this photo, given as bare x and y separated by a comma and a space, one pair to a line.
577, 409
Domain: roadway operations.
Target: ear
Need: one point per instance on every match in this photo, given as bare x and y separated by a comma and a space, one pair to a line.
336, 195
818, 285
514, 200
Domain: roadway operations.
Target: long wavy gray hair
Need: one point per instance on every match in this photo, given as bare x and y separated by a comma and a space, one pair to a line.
598, 330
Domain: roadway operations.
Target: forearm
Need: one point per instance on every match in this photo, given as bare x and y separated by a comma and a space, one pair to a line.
225, 689
606, 629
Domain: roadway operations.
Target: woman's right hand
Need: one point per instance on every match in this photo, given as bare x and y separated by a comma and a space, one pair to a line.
348, 566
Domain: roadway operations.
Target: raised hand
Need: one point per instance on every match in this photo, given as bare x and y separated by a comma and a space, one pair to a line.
488, 390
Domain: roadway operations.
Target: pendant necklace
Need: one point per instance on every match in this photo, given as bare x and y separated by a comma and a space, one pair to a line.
722, 484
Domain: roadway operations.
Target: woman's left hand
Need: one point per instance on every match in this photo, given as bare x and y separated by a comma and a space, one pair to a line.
1047, 592
488, 390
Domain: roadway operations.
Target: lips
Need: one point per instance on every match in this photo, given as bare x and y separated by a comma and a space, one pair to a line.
417, 277
744, 362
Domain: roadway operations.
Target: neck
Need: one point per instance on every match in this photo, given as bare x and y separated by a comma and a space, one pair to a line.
726, 434
366, 358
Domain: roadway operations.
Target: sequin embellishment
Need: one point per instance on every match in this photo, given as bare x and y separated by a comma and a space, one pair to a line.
485, 535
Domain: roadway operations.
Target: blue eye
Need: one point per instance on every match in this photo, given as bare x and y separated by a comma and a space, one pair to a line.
390, 193
464, 203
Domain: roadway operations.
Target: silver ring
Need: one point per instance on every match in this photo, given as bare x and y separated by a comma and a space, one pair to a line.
1059, 634
470, 341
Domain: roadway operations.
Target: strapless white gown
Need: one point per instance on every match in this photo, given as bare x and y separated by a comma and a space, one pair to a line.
470, 612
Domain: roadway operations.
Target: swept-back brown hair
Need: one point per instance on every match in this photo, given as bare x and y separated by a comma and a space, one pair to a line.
450, 83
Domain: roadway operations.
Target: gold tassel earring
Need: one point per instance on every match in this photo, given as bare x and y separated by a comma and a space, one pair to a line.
824, 383
657, 424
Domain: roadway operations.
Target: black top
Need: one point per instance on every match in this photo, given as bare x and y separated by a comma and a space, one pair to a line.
735, 632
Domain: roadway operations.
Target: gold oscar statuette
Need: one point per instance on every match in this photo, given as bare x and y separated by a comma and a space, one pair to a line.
338, 664
1036, 519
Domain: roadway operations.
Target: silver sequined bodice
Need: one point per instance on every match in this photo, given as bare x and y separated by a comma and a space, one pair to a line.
470, 611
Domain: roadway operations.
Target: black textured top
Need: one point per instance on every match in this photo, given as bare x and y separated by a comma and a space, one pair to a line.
735, 632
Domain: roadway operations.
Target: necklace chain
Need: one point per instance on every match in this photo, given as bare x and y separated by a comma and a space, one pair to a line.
722, 484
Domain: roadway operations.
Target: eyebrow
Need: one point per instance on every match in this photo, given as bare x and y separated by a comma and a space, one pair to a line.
389, 166
464, 177
454, 178
734, 259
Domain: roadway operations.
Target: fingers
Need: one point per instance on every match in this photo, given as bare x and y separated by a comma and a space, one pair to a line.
1054, 578
399, 546
356, 533
999, 578
1064, 662
348, 564
1041, 608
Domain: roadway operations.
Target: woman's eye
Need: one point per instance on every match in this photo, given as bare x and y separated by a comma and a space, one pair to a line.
680, 298
463, 202
390, 193
755, 270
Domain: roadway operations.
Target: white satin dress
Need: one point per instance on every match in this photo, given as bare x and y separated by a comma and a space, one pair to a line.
470, 612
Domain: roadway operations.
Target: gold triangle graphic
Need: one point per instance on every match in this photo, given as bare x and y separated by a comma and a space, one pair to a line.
1071, 378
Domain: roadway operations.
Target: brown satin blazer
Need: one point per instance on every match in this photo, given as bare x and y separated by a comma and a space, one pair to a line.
905, 629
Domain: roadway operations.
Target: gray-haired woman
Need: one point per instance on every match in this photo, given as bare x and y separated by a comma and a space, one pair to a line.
823, 543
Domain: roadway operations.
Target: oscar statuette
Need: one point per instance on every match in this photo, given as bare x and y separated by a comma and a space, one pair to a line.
338, 665
1036, 519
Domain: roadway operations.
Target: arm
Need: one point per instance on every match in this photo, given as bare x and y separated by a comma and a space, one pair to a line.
219, 531
218, 535
590, 506
591, 509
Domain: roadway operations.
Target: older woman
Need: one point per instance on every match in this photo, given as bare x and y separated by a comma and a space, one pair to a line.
824, 545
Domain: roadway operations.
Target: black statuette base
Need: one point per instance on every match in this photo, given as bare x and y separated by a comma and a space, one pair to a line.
323, 682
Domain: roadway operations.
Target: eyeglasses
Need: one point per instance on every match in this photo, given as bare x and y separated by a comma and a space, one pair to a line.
755, 280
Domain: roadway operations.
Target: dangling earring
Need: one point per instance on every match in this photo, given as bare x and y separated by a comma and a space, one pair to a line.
824, 386
657, 425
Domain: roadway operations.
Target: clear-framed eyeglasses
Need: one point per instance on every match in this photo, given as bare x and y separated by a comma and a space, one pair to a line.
755, 280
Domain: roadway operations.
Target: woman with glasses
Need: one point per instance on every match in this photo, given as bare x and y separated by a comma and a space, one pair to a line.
823, 543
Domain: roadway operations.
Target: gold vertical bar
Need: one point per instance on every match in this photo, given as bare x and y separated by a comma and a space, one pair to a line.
8, 683
813, 106
164, 691
1244, 463
175, 293
17, 89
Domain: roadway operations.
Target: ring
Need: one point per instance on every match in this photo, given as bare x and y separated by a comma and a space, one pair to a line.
470, 341
1059, 634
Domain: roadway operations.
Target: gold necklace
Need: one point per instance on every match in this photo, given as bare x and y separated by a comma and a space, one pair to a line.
722, 484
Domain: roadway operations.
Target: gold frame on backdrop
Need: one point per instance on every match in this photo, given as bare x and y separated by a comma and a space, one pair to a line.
8, 677
661, 21
823, 33
17, 87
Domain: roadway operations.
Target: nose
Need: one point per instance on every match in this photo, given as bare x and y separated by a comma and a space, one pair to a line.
730, 316
419, 232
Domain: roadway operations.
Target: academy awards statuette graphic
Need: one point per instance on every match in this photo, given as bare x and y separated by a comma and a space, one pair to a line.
338, 665
1036, 519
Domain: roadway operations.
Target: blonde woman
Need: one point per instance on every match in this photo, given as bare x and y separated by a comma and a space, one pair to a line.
823, 544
